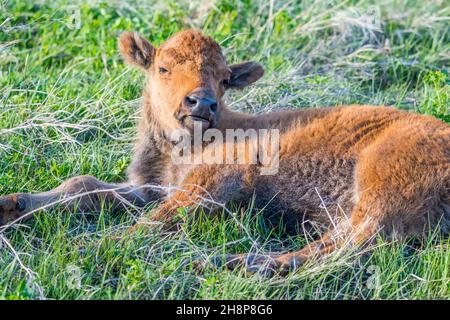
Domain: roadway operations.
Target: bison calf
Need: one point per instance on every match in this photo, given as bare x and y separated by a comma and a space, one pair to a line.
357, 170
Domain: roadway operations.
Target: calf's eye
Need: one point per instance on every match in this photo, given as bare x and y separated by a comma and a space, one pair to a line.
225, 82
163, 70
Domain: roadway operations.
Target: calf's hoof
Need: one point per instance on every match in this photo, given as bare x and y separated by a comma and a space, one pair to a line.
266, 266
12, 207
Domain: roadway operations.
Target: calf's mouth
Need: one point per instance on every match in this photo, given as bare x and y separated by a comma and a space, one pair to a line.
189, 121
198, 118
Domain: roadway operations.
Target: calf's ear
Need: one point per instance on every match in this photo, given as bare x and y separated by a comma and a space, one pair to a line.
136, 50
244, 74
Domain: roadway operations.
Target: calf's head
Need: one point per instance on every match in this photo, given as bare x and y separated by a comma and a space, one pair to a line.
187, 77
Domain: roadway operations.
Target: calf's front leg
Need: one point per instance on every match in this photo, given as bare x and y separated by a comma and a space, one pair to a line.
82, 194
210, 187
166, 216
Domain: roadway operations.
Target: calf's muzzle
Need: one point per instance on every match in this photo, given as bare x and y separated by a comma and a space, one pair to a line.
201, 102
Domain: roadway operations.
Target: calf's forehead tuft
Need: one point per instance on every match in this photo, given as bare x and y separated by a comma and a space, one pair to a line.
191, 45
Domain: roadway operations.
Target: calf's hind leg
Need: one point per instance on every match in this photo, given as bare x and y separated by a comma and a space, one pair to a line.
82, 193
357, 231
399, 202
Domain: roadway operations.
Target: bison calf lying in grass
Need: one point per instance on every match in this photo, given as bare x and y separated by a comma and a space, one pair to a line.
358, 170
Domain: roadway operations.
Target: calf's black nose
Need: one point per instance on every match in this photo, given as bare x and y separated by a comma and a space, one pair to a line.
201, 100
200, 103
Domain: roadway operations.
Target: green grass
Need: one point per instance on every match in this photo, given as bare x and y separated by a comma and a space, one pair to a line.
68, 106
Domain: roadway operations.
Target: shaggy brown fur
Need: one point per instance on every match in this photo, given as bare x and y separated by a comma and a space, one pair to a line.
358, 170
